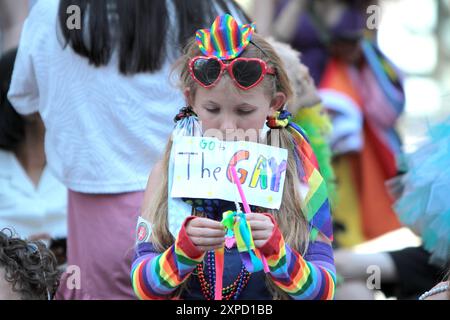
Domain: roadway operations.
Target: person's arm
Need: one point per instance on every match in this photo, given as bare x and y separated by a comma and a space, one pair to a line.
12, 15
32, 60
444, 295
310, 277
262, 12
157, 275
152, 182
285, 25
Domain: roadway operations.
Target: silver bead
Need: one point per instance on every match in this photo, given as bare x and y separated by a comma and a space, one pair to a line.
434, 291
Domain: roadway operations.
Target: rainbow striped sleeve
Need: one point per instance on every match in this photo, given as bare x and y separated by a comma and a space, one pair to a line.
312, 277
157, 275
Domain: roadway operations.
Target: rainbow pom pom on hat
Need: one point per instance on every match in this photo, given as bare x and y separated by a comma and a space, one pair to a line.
226, 39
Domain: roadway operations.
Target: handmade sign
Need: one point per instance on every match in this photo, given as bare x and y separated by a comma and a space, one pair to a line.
202, 169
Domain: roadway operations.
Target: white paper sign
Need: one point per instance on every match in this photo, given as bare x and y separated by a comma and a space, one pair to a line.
202, 170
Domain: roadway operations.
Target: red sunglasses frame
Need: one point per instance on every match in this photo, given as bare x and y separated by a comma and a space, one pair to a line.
265, 69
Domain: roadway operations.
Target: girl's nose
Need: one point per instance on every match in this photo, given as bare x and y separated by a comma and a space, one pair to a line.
228, 123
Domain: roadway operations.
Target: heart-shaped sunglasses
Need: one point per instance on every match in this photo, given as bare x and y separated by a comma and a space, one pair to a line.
245, 72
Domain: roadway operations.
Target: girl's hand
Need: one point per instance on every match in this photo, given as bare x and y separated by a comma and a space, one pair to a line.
262, 228
206, 234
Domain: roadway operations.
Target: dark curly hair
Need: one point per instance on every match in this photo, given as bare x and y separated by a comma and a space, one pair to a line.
29, 266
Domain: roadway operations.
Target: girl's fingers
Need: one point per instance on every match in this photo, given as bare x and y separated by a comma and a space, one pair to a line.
259, 225
261, 235
206, 232
256, 217
260, 243
200, 241
206, 223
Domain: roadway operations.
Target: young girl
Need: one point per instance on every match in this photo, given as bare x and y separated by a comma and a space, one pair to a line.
181, 264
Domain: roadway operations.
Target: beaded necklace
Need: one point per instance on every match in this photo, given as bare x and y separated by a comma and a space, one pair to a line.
432, 292
210, 207
207, 287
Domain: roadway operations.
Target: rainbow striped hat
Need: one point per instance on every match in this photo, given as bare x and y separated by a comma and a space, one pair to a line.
226, 39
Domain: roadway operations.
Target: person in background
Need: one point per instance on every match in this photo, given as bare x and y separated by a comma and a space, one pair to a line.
404, 274
362, 92
308, 111
33, 202
104, 94
12, 15
422, 204
439, 292
28, 269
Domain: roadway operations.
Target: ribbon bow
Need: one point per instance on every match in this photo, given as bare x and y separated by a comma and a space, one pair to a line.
280, 119
244, 240
236, 224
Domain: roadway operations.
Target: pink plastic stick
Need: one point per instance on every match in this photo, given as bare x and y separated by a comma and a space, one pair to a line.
241, 192
247, 210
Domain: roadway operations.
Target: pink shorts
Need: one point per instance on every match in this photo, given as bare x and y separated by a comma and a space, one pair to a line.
101, 238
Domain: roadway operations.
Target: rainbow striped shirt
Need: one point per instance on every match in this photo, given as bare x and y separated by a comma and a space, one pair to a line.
301, 279
156, 275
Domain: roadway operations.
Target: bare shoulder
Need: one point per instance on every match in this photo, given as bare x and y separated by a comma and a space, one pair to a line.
444, 295
153, 180
157, 170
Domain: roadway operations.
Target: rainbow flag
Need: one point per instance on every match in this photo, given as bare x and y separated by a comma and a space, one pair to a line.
316, 206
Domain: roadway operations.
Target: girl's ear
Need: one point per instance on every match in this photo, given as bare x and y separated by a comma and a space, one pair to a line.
277, 103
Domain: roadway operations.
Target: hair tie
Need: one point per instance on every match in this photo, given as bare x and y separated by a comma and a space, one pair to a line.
280, 119
184, 112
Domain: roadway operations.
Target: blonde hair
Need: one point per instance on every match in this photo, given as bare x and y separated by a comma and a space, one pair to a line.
289, 217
